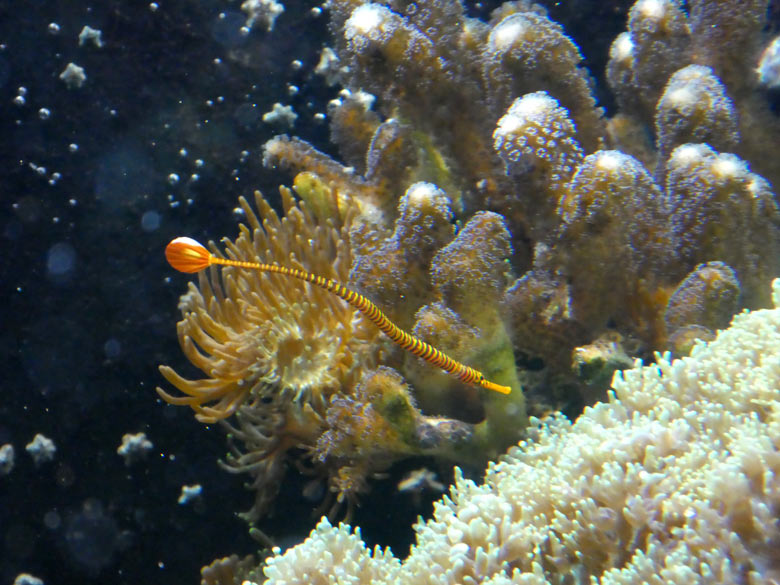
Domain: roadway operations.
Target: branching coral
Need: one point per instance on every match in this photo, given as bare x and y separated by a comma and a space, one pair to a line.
705, 57
395, 270
705, 300
600, 238
675, 479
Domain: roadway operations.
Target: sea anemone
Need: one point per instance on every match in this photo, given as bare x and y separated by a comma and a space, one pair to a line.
267, 336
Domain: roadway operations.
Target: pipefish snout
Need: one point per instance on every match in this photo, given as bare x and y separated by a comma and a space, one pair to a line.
188, 255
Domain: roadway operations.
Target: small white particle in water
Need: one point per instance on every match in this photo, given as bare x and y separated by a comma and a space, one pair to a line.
6, 459
54, 28
90, 35
39, 170
27, 579
73, 76
261, 11
173, 178
41, 449
189, 493
281, 115
134, 447
44, 113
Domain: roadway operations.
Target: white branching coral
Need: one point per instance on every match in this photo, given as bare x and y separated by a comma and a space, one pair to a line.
675, 479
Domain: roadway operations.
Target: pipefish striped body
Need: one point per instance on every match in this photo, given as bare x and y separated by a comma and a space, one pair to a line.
190, 256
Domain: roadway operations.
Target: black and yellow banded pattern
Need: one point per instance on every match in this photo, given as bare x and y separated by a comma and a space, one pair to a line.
188, 255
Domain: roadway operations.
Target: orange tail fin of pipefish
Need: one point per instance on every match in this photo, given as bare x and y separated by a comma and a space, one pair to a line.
187, 255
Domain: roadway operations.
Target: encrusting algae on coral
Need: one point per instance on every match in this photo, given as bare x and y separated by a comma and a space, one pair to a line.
496, 216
